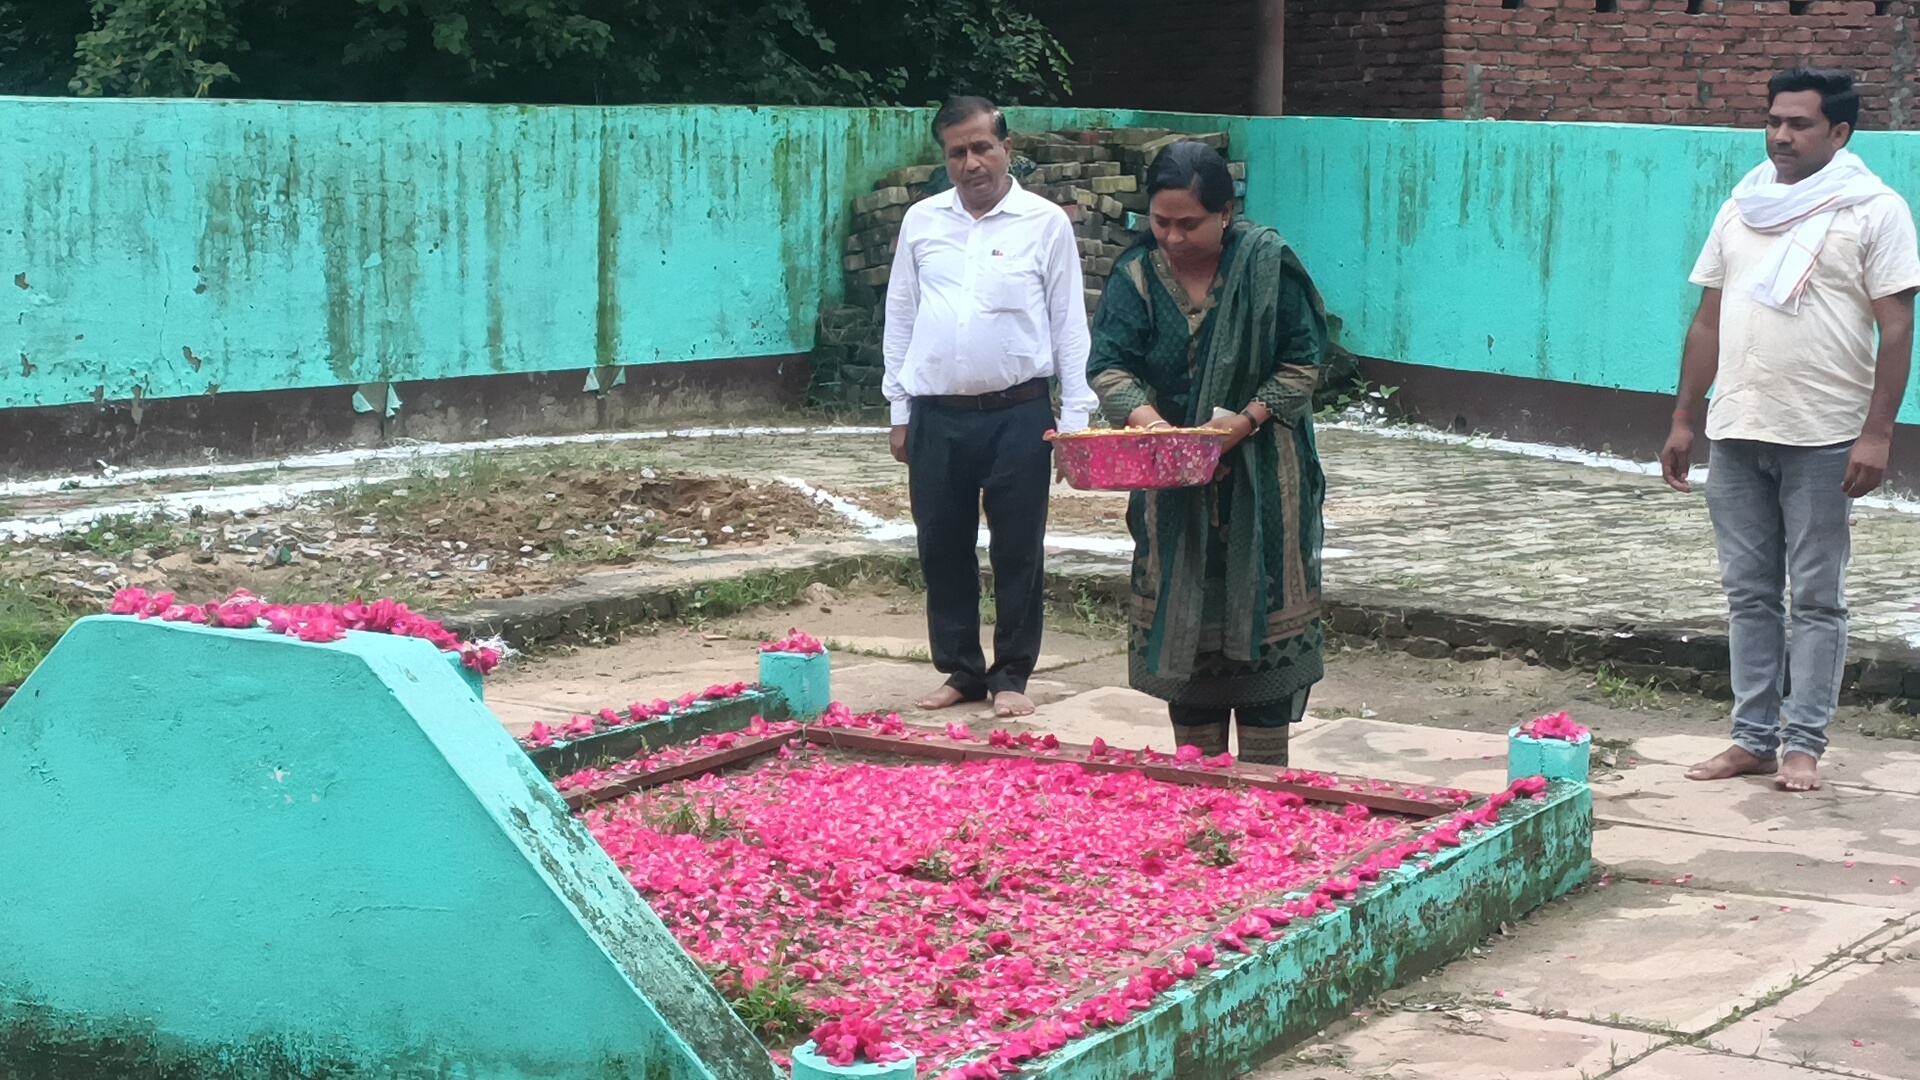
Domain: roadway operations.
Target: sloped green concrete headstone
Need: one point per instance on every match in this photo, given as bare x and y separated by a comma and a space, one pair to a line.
235, 855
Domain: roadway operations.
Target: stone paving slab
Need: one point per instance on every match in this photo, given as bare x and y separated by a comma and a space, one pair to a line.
1687, 1063
1450, 1043
1117, 714
1836, 822
1686, 860
1058, 651
667, 664
1410, 753
1862, 1019
1661, 958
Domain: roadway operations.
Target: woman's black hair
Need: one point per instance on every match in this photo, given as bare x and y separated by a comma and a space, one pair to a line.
1196, 167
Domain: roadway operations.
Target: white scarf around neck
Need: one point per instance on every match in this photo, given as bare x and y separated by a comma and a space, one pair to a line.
1802, 213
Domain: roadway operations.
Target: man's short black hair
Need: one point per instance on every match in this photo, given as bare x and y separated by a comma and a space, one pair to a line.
962, 109
1839, 101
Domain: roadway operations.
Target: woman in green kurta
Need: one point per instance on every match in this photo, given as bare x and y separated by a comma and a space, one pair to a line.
1215, 318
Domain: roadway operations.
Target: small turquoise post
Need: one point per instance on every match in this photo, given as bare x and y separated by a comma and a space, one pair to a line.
808, 1065
804, 679
1555, 759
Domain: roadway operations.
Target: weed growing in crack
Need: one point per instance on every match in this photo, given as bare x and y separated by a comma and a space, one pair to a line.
1623, 692
767, 1000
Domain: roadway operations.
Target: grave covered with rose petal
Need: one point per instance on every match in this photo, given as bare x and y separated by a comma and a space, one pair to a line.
303, 844
1014, 903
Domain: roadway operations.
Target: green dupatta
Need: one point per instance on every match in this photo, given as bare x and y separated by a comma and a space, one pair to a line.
1273, 534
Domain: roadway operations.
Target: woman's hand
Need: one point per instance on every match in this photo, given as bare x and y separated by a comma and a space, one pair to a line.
1237, 427
1146, 416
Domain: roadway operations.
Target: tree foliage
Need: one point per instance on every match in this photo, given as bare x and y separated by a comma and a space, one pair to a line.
809, 52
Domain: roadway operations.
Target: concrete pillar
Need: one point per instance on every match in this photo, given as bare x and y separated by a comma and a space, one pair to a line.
1269, 87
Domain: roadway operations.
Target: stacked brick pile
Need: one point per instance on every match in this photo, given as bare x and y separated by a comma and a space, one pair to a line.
1099, 178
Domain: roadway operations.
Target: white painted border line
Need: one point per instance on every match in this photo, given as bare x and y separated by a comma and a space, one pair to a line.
337, 459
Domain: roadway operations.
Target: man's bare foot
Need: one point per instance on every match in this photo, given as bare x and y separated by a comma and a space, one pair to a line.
1799, 771
1732, 762
1011, 703
944, 698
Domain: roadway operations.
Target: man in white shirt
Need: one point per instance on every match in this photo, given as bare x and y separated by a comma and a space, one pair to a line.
1809, 258
984, 306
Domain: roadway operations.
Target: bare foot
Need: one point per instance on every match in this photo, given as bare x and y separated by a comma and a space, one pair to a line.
944, 698
1799, 771
1011, 703
1732, 762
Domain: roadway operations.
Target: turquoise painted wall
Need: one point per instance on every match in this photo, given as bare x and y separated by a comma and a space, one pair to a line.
188, 246
181, 247
1554, 251
1549, 251
234, 852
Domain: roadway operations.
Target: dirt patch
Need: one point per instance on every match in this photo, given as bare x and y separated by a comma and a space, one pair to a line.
475, 533
1069, 511
597, 515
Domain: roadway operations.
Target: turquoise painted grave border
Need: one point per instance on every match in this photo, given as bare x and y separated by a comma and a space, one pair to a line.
235, 855
705, 718
1412, 921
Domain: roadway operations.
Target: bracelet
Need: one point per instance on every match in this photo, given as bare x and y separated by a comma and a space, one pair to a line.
1159, 423
1254, 420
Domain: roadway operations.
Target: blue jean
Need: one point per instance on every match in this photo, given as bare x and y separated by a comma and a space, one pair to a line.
1780, 520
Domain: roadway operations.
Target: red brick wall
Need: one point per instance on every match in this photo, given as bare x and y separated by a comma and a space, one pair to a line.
1647, 62
1177, 55
1365, 58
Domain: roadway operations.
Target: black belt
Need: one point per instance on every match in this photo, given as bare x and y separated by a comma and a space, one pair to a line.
999, 399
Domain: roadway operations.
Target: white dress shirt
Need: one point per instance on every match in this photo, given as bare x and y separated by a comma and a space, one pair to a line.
976, 306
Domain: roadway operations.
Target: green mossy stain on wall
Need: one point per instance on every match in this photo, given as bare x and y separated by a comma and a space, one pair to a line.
341, 305
606, 324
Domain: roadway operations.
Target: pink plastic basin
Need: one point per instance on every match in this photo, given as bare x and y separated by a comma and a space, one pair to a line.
1129, 460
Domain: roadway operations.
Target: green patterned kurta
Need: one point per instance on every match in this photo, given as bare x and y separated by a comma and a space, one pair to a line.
1226, 578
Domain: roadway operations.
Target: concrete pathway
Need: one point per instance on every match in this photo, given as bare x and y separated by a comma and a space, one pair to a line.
1730, 931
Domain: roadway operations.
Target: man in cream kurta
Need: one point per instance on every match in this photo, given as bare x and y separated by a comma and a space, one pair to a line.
1810, 257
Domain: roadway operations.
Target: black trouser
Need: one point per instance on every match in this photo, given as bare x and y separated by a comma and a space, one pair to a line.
954, 455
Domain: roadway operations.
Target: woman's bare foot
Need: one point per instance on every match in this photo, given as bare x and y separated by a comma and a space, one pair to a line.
1799, 771
1011, 703
1732, 762
944, 698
